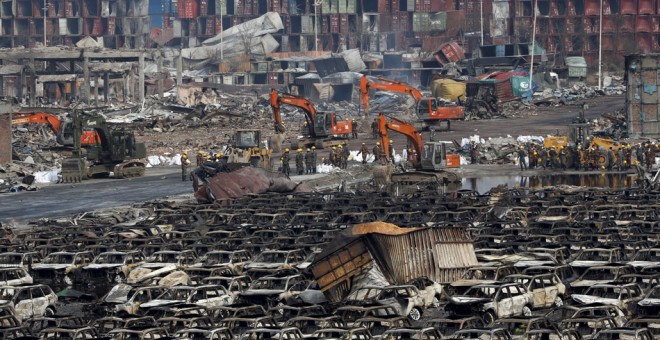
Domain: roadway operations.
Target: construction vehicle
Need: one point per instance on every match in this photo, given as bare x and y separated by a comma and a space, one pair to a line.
115, 151
323, 128
246, 150
430, 160
63, 130
430, 111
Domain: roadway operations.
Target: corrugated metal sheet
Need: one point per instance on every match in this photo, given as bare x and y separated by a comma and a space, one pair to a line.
402, 254
643, 98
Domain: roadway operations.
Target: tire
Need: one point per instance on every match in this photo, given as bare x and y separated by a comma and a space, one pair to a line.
436, 302
415, 314
50, 311
489, 318
558, 301
526, 311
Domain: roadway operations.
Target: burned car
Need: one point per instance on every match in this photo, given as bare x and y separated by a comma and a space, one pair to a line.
209, 297
125, 298
625, 296
408, 300
112, 267
29, 300
160, 264
492, 301
62, 267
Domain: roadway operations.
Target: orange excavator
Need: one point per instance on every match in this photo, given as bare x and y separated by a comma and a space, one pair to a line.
324, 127
430, 111
430, 159
60, 129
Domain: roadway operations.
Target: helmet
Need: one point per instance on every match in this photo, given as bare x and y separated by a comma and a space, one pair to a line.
341, 147
334, 148
377, 143
625, 162
353, 119
347, 119
602, 167
299, 150
221, 154
628, 146
391, 141
208, 157
313, 148
256, 148
286, 150
656, 145
579, 147
185, 157
362, 143
199, 152
217, 155
185, 152
308, 149
521, 147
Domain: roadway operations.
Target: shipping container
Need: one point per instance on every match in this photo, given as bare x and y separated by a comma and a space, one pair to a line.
642, 95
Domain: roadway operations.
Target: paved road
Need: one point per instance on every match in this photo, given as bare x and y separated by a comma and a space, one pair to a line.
67, 199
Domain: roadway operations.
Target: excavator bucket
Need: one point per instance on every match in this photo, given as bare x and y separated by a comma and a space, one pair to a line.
73, 170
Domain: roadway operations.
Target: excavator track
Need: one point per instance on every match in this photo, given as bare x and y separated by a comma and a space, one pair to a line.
130, 168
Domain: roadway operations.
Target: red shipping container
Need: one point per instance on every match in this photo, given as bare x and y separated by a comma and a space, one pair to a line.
238, 7
439, 5
218, 26
646, 7
385, 23
396, 5
68, 8
627, 23
203, 7
334, 23
554, 10
644, 24
623, 40
384, 6
656, 24
284, 6
570, 26
608, 42
570, 8
343, 23
644, 42
628, 7
111, 25
274, 5
188, 9
592, 7
609, 23
588, 25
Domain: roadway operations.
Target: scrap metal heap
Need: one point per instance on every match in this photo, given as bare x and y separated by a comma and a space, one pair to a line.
560, 261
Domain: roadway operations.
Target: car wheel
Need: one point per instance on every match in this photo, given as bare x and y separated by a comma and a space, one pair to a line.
558, 301
526, 311
50, 311
415, 314
436, 302
489, 318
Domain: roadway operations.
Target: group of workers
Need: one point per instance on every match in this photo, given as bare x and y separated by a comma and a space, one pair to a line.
339, 156
200, 158
305, 162
618, 157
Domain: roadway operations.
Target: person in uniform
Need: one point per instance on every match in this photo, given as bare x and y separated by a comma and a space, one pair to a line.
300, 166
374, 128
344, 156
285, 162
354, 125
554, 158
308, 161
200, 158
376, 151
579, 158
533, 155
563, 158
609, 159
474, 152
620, 158
313, 159
364, 151
521, 158
184, 166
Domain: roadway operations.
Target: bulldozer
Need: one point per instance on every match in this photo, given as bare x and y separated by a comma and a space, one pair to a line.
115, 151
245, 150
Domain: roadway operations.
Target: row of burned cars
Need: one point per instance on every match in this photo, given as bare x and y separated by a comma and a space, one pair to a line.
572, 264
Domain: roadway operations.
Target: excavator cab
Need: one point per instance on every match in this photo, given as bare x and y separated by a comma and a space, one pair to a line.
326, 124
435, 157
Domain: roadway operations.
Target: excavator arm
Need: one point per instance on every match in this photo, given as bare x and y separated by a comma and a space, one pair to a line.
414, 136
385, 85
276, 100
87, 138
36, 117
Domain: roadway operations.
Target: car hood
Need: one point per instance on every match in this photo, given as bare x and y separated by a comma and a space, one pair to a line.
54, 266
159, 302
103, 266
261, 265
588, 263
589, 299
255, 292
649, 302
588, 283
470, 283
467, 300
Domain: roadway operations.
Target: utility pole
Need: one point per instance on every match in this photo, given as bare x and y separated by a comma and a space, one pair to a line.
222, 32
482, 22
531, 64
600, 48
45, 15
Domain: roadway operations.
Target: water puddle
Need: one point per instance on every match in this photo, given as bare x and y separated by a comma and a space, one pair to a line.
484, 184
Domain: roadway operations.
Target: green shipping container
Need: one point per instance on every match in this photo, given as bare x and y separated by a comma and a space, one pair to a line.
421, 22
577, 67
438, 21
351, 6
520, 85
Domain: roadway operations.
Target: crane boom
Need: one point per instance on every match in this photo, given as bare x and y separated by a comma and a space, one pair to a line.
277, 99
414, 136
386, 85
87, 137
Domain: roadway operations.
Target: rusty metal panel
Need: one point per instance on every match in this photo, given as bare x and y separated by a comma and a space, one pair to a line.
643, 97
341, 265
5, 136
